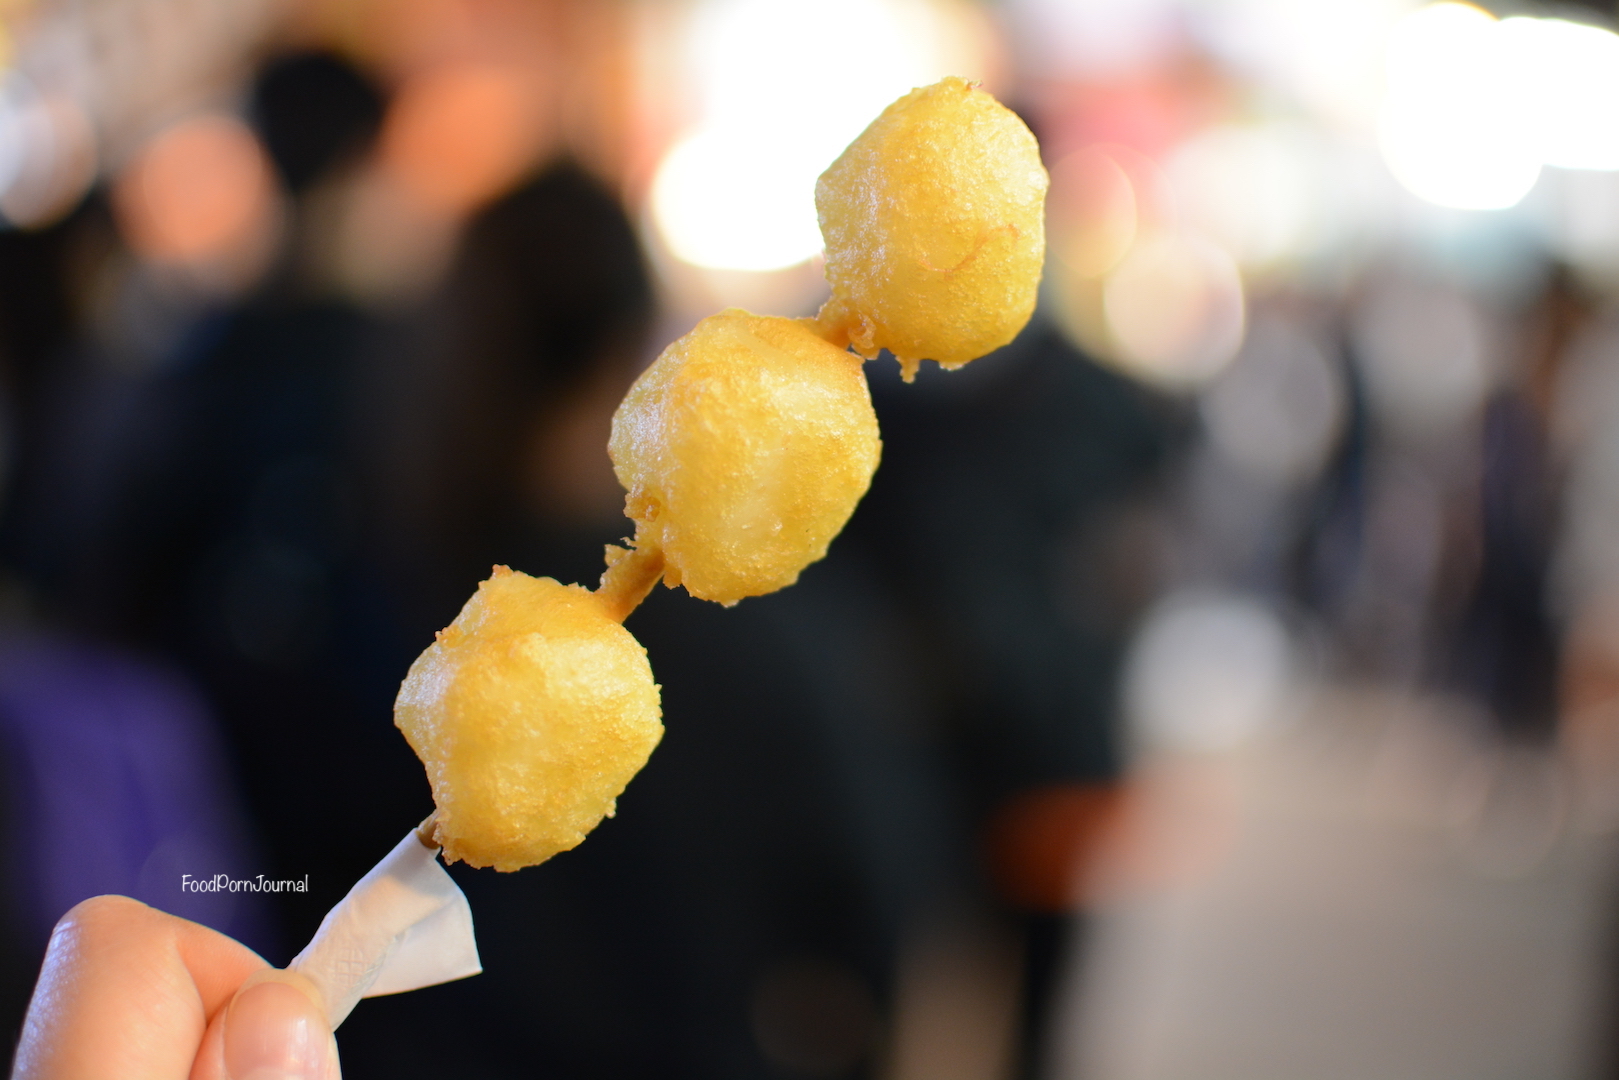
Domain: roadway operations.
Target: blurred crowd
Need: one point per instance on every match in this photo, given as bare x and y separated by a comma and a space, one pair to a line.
311, 311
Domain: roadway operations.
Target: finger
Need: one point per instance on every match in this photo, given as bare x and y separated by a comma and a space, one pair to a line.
274, 1029
127, 991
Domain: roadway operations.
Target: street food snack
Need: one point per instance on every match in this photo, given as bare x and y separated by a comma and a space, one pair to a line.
531, 711
934, 222
744, 449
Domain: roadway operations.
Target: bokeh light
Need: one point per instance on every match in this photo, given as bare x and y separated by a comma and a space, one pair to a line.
198, 192
1207, 672
1424, 350
780, 93
1096, 38
1250, 188
458, 134
1091, 211
1326, 54
728, 201
1279, 409
1476, 106
1568, 76
48, 154
1174, 309
1454, 128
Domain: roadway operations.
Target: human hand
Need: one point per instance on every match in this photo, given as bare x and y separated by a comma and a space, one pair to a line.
127, 991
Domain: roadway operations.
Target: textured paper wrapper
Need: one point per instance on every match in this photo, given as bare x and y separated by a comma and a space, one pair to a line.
403, 926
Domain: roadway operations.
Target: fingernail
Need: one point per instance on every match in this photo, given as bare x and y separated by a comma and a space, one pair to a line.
274, 1032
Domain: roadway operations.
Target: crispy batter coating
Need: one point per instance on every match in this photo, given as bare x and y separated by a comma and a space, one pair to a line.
934, 221
744, 449
531, 711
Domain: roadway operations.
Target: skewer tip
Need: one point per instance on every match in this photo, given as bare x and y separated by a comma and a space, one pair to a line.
427, 831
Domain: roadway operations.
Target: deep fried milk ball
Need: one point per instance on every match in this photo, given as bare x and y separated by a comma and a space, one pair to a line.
531, 711
744, 449
934, 222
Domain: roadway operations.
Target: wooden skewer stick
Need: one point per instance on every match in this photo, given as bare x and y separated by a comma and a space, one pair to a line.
631, 574
427, 831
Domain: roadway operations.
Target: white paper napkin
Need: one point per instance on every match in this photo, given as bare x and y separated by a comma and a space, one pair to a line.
403, 926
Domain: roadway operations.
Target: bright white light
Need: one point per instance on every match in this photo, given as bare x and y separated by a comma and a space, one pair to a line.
1250, 189
784, 86
1475, 106
1569, 76
15, 138
1454, 127
1095, 37
47, 153
1207, 672
1326, 53
721, 200
761, 63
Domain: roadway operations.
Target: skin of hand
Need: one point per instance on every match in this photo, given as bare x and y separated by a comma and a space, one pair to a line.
127, 991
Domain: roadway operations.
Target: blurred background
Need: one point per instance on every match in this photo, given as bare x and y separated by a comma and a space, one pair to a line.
1221, 681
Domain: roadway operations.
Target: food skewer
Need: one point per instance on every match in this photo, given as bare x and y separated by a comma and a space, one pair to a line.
743, 449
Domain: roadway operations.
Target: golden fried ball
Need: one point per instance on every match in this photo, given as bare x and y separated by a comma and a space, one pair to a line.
744, 449
934, 227
531, 711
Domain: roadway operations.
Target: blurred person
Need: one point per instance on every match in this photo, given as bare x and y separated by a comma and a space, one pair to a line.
1320, 561
1584, 571
1016, 521
181, 495
1456, 484
1583, 430
1270, 450
1431, 558
114, 775
1380, 555
1508, 640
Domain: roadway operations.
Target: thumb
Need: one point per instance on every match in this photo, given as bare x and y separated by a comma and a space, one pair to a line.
273, 1029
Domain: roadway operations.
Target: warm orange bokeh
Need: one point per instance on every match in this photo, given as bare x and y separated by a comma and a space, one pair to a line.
1092, 212
1066, 846
1043, 842
198, 191
459, 134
